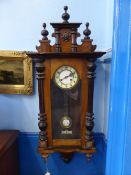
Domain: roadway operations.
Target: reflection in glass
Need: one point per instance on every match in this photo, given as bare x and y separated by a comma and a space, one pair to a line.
66, 111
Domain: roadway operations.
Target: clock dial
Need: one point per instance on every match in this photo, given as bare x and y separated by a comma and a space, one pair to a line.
66, 77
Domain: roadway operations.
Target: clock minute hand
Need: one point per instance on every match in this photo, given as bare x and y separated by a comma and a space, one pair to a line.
64, 78
67, 76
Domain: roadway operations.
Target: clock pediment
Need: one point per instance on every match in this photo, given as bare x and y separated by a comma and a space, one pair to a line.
66, 35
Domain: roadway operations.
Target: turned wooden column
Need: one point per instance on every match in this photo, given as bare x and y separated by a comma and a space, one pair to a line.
40, 75
91, 66
57, 40
74, 43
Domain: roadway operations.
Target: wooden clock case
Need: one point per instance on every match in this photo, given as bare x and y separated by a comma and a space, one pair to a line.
48, 59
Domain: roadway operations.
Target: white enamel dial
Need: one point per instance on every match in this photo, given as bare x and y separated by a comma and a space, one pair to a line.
66, 77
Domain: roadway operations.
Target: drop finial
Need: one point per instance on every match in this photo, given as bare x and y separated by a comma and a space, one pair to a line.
65, 16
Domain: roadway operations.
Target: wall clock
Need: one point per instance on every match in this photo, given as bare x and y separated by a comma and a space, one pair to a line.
65, 73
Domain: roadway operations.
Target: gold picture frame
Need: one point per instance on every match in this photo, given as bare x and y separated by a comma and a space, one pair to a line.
15, 73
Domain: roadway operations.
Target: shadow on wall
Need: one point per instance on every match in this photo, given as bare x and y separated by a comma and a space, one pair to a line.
31, 162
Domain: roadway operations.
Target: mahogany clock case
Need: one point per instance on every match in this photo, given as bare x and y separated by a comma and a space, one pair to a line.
65, 73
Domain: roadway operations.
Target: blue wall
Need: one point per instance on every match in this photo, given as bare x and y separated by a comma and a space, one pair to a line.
20, 30
32, 164
21, 25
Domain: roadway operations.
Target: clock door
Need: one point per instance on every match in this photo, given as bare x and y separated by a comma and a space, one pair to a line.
66, 104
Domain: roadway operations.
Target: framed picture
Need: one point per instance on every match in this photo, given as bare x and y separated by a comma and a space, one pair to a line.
15, 73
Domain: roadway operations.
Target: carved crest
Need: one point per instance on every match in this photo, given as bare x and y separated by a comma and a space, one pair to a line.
66, 34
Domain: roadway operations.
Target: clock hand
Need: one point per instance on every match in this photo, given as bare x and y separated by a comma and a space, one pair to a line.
67, 76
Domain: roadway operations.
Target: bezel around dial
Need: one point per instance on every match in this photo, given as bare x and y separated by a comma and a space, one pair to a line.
64, 120
66, 77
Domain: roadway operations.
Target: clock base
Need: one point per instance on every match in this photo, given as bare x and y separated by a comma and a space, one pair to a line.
66, 152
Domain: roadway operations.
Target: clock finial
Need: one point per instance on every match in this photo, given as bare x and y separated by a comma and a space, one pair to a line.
65, 16
87, 31
44, 32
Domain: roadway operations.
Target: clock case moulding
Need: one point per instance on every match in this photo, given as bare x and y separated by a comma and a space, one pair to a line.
47, 59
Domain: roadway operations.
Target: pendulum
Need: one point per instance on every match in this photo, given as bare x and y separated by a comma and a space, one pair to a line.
46, 164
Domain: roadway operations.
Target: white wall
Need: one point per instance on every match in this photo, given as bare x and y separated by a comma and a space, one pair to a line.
20, 28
